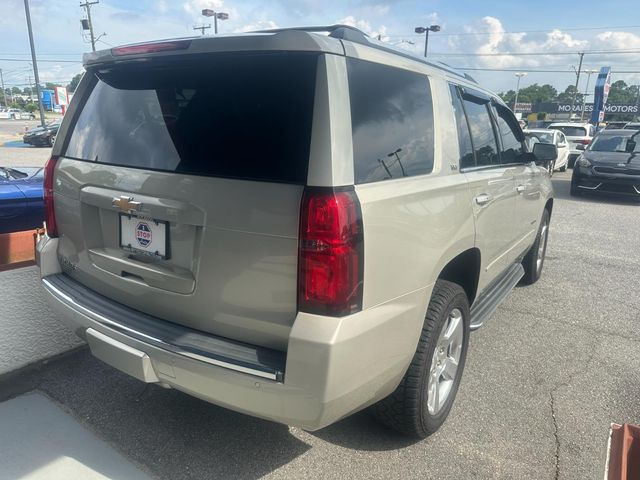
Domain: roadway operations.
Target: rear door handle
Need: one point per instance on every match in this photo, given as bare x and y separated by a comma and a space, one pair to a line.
520, 188
483, 199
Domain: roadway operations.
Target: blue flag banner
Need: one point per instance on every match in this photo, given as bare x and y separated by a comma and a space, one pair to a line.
603, 83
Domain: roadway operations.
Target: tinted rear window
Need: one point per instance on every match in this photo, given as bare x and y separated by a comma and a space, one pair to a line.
245, 117
392, 122
572, 131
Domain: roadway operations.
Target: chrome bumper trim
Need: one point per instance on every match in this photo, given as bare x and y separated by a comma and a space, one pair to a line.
156, 342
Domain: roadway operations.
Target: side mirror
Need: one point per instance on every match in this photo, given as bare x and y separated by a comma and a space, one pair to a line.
580, 147
544, 153
631, 146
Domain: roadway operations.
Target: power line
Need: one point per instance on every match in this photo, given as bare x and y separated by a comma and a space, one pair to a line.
461, 34
536, 54
40, 60
529, 70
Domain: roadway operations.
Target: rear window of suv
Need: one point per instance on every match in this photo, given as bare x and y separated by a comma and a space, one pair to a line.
572, 131
241, 116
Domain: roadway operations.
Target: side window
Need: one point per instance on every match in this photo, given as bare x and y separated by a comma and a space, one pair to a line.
481, 126
467, 159
512, 149
392, 122
561, 139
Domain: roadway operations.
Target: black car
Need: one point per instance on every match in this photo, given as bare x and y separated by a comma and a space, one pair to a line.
42, 136
610, 164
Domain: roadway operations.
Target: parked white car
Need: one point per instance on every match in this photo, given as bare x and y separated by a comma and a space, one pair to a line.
576, 134
557, 138
16, 114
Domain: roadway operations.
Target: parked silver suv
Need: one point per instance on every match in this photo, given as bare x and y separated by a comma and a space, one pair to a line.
291, 225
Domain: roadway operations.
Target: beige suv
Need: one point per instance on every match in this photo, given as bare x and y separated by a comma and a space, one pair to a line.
288, 224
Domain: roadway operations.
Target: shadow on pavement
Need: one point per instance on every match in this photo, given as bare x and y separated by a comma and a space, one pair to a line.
562, 185
361, 432
172, 434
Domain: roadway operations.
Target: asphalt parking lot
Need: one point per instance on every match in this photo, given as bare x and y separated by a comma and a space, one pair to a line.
545, 377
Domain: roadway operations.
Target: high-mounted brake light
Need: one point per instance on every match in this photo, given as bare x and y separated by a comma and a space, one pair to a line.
150, 48
50, 214
331, 252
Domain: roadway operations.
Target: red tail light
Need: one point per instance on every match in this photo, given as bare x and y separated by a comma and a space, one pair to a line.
330, 263
150, 48
50, 214
584, 142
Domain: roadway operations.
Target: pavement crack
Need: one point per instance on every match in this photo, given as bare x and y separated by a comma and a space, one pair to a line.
555, 434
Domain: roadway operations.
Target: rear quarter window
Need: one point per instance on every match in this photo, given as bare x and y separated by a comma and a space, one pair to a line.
392, 122
237, 116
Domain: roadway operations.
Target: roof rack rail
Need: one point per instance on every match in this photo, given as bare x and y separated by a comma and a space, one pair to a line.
355, 35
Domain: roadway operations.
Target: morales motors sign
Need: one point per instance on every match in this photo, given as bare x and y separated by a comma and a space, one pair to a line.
566, 108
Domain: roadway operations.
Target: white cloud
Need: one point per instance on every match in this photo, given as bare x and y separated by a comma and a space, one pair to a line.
365, 26
259, 25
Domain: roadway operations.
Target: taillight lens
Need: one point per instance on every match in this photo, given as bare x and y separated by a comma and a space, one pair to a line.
584, 142
331, 247
150, 48
50, 214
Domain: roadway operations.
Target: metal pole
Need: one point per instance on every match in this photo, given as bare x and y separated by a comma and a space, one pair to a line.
4, 93
426, 42
87, 6
515, 101
575, 91
33, 58
215, 23
586, 91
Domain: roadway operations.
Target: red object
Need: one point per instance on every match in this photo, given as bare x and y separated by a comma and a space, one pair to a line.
151, 48
623, 459
50, 214
330, 258
584, 142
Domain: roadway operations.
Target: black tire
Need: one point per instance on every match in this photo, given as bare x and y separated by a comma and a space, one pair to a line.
406, 409
572, 161
533, 271
563, 168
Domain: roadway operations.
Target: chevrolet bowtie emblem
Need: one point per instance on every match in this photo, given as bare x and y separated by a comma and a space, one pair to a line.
126, 204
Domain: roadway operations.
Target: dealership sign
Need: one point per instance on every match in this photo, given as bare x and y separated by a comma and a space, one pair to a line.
566, 108
603, 84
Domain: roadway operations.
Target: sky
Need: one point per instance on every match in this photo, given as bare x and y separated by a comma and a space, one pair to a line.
489, 36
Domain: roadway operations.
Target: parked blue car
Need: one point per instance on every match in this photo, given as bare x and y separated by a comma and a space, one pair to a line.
21, 199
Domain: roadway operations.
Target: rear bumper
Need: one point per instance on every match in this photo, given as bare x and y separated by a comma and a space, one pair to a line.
334, 366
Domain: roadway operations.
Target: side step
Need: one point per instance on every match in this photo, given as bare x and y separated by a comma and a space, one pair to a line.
484, 306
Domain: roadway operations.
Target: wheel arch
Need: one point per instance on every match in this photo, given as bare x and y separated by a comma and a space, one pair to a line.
464, 270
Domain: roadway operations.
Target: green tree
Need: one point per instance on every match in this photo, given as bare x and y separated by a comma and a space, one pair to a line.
73, 84
532, 94
568, 95
16, 91
31, 107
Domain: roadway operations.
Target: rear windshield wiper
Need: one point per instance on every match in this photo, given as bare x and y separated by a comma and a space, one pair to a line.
13, 173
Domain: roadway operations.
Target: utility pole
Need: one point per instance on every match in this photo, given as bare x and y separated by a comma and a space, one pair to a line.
4, 92
87, 5
33, 59
586, 92
575, 91
202, 28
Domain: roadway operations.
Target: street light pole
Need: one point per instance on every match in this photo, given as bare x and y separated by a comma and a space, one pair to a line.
515, 102
586, 91
207, 12
4, 92
33, 59
426, 30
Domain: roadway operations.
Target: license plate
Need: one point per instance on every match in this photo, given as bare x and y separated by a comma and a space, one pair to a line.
144, 235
